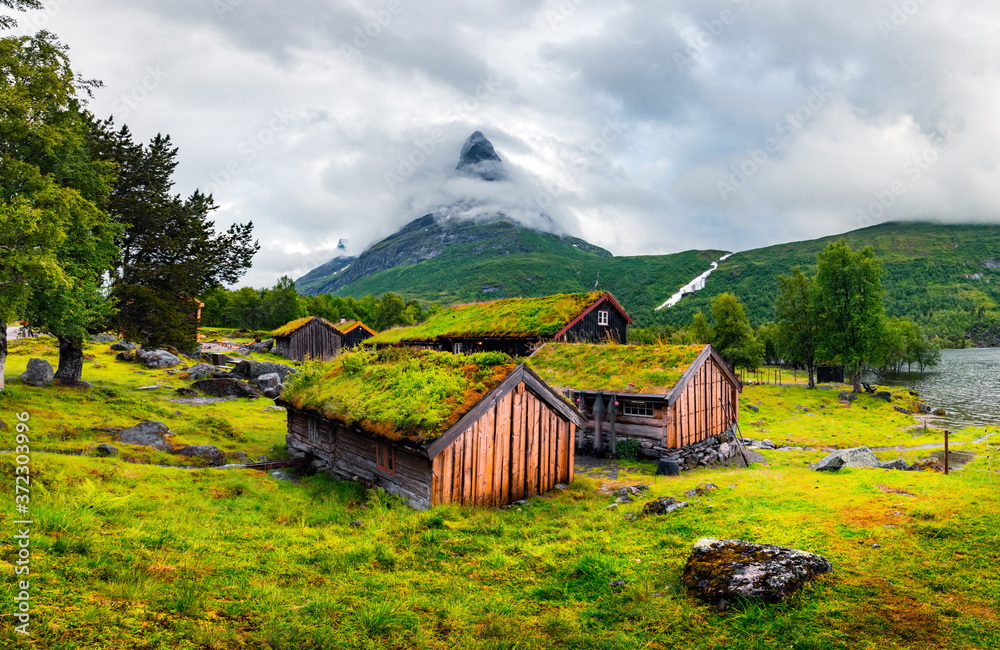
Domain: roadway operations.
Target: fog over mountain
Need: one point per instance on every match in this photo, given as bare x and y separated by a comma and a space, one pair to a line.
644, 127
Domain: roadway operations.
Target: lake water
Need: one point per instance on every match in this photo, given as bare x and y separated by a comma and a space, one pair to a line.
966, 384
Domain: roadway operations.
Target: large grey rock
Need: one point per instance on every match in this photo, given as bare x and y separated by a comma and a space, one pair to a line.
38, 373
147, 433
122, 346
212, 454
200, 371
227, 387
853, 457
158, 358
663, 506
883, 395
899, 464
726, 569
274, 393
253, 369
263, 346
847, 397
104, 338
268, 381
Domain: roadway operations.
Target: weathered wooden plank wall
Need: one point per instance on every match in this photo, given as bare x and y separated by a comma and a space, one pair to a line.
517, 449
707, 407
314, 339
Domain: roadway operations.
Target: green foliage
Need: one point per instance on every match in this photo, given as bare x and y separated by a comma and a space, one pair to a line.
652, 369
169, 252
628, 449
730, 332
542, 317
850, 308
397, 392
797, 324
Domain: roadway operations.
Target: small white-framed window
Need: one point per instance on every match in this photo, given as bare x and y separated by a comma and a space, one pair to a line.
313, 430
638, 409
458, 348
602, 317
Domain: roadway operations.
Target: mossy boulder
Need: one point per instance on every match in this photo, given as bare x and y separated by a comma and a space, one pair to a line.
853, 457
722, 570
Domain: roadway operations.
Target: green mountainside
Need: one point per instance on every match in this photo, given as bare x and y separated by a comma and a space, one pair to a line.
455, 261
944, 277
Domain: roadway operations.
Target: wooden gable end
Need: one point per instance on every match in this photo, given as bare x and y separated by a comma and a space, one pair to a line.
704, 403
603, 321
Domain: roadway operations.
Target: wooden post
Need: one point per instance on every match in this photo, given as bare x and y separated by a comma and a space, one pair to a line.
612, 412
599, 416
946, 452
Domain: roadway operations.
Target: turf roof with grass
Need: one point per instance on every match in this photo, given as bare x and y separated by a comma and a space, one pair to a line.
649, 369
349, 326
522, 317
398, 393
294, 326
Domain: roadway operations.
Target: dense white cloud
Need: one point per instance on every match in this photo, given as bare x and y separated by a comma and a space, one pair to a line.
643, 126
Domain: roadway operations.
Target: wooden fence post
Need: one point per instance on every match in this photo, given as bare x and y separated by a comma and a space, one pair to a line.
946, 432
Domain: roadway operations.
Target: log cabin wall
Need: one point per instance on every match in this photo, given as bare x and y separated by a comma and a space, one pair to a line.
707, 406
315, 339
348, 455
518, 449
646, 429
589, 330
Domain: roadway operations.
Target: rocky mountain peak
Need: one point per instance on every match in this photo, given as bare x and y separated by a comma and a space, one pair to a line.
480, 160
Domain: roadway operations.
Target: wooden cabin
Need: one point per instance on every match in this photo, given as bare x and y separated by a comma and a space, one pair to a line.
355, 332
481, 432
515, 326
312, 336
665, 397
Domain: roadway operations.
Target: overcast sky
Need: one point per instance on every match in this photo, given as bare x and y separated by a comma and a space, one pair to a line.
644, 127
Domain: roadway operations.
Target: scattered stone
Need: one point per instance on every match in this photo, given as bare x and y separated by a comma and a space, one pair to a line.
268, 381
147, 433
356, 523
900, 409
125, 356
726, 569
225, 388
938, 412
273, 409
883, 395
38, 373
104, 338
623, 499
210, 453
186, 392
899, 464
617, 585
927, 465
521, 502
106, 450
613, 506
922, 408
236, 456
767, 444
846, 397
159, 359
701, 490
876, 546
153, 387
753, 408
663, 506
561, 486
3, 425
200, 371
263, 346
122, 346
853, 457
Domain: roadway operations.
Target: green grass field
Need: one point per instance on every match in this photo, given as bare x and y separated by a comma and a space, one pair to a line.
134, 555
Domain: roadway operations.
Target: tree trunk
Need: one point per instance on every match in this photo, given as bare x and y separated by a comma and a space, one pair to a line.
811, 367
3, 351
70, 360
856, 380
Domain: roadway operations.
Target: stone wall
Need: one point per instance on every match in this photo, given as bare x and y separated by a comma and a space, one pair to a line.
711, 451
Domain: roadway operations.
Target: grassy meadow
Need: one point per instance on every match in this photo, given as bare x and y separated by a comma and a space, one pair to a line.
126, 553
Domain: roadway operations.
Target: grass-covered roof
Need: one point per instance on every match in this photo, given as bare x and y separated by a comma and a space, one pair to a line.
541, 317
398, 393
349, 326
650, 369
291, 328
